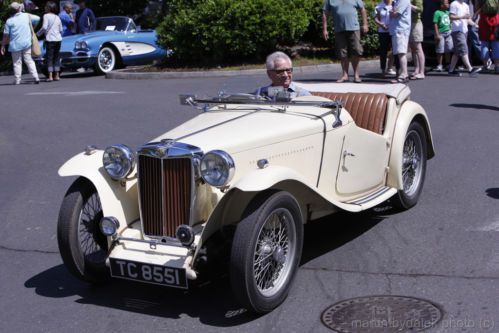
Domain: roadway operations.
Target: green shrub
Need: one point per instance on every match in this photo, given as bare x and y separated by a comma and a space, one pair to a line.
225, 31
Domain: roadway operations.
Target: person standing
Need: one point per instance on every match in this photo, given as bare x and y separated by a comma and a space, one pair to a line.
85, 18
400, 27
17, 33
488, 29
443, 39
347, 29
67, 19
460, 17
416, 40
52, 29
382, 19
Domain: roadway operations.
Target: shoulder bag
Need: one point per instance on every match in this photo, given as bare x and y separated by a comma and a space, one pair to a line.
35, 46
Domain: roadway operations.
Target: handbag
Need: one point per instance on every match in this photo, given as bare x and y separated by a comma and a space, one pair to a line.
35, 46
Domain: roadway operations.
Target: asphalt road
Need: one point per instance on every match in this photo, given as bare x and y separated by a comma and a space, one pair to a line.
446, 249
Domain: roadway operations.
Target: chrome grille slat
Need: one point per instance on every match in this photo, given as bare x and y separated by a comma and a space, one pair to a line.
165, 194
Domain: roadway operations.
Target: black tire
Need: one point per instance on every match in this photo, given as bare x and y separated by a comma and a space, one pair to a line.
107, 60
413, 167
82, 246
269, 216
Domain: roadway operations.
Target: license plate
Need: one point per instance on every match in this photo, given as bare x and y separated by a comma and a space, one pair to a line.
137, 271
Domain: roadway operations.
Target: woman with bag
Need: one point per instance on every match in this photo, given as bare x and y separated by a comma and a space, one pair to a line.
18, 34
52, 29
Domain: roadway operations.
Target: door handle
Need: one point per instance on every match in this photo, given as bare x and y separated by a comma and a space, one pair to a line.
346, 153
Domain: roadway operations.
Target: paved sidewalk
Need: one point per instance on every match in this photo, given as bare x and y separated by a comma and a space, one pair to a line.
129, 74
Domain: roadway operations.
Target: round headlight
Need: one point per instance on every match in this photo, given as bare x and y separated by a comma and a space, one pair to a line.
109, 226
119, 161
217, 168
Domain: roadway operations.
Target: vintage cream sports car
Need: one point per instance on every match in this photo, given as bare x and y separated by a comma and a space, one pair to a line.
236, 183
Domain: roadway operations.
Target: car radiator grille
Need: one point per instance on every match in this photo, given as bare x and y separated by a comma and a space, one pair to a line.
165, 187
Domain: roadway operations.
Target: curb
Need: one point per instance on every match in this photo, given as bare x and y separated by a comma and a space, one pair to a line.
126, 74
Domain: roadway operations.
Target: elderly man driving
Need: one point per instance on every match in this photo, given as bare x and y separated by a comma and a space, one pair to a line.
280, 72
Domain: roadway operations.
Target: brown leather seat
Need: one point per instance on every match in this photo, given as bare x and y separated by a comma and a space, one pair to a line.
367, 110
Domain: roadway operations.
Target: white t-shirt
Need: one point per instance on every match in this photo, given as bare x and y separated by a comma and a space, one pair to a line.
384, 14
459, 9
52, 28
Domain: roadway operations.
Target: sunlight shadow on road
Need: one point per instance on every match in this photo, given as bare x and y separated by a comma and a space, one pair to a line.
475, 106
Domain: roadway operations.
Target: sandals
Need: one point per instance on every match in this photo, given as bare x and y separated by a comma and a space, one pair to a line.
359, 80
342, 80
400, 80
417, 77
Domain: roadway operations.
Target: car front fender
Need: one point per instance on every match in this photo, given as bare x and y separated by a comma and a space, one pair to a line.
409, 112
117, 199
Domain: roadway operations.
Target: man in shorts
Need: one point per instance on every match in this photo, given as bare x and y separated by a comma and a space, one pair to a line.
400, 27
460, 18
347, 29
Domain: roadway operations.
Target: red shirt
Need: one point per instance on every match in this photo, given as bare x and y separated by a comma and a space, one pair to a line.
487, 26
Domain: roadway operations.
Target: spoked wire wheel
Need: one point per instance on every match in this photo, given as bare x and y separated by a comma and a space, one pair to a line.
82, 246
412, 162
266, 251
414, 156
275, 251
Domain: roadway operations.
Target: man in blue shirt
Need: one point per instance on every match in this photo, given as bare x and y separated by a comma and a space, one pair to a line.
67, 19
85, 18
400, 28
17, 33
280, 72
347, 29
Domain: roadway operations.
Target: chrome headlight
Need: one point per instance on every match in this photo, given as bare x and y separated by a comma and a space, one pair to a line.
217, 168
119, 161
80, 45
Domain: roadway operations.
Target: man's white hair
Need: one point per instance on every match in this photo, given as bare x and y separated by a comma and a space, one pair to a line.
67, 4
273, 57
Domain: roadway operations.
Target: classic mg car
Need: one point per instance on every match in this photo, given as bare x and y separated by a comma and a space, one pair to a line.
236, 184
117, 42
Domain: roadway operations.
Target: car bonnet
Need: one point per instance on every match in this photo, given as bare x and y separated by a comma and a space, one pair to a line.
244, 127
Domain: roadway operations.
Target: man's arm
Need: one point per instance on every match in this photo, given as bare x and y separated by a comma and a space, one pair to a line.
5, 41
365, 27
93, 21
325, 33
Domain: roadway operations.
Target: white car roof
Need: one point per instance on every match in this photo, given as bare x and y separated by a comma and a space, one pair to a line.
398, 91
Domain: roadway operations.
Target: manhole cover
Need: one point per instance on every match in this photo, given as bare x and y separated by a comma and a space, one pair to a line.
385, 314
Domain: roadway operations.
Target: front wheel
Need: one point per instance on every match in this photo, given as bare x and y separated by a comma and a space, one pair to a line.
413, 166
266, 251
82, 246
106, 60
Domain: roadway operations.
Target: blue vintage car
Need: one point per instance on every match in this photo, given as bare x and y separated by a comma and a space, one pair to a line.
116, 43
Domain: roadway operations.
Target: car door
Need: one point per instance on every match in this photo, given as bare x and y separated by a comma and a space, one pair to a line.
363, 162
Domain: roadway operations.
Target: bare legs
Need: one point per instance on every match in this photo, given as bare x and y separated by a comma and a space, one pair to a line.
419, 60
344, 68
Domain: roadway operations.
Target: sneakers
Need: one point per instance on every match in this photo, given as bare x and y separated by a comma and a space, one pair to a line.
439, 68
475, 71
391, 71
454, 73
16, 82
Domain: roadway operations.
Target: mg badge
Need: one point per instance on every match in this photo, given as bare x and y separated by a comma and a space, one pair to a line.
162, 151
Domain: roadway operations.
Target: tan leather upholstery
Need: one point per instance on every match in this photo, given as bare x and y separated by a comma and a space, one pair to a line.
367, 110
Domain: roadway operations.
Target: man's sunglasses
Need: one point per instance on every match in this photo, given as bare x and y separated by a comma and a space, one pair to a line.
281, 71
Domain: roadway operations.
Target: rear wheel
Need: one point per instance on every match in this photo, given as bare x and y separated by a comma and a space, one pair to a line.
266, 251
106, 60
413, 166
82, 246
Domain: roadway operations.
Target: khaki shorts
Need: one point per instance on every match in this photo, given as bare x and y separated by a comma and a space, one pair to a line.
416, 32
399, 42
348, 44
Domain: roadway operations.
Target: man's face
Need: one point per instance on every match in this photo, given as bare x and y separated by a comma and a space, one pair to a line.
445, 4
282, 74
68, 8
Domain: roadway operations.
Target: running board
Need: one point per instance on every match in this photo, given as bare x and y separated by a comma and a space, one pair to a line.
370, 200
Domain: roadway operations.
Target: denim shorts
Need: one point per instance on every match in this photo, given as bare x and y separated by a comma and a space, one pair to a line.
444, 44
